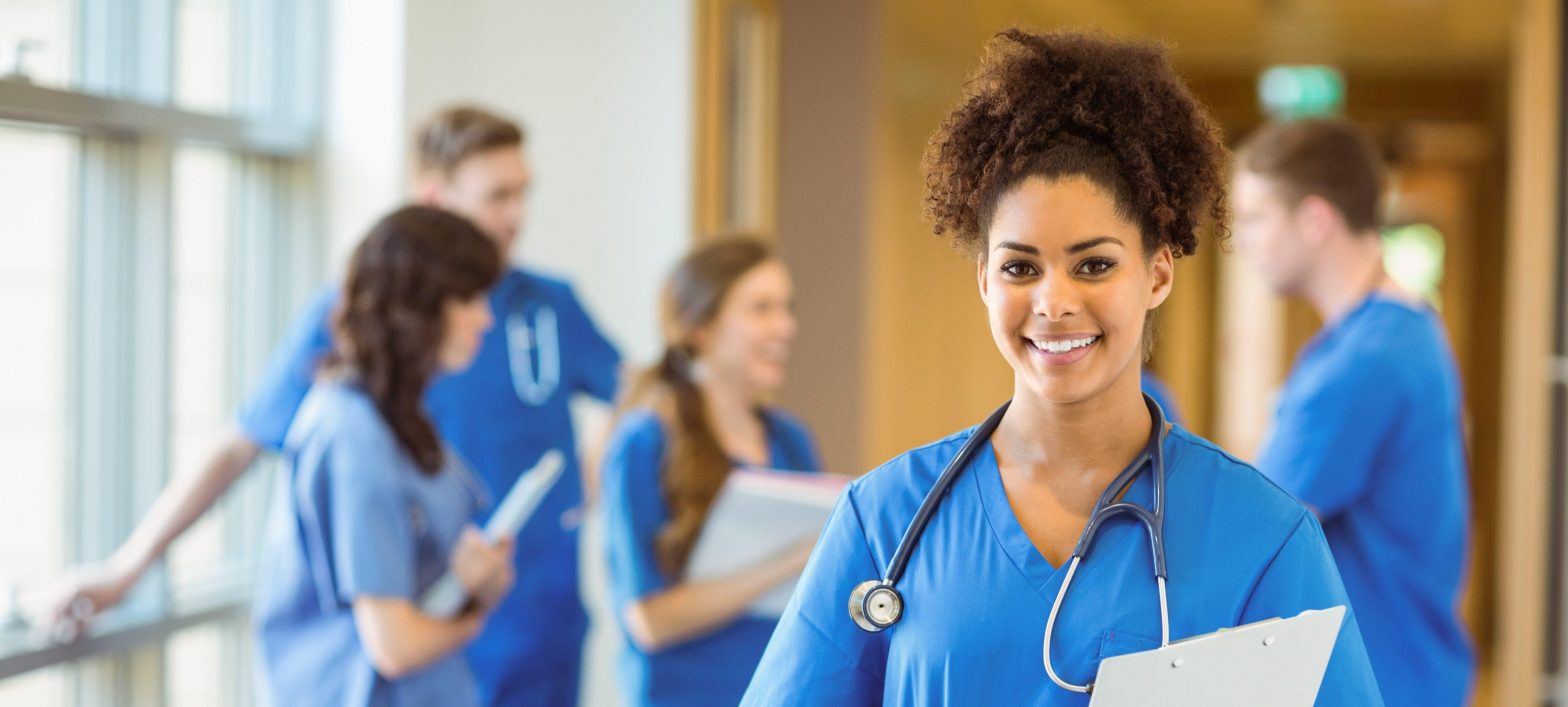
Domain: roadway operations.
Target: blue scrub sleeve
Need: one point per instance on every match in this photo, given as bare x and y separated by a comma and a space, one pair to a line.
269, 409
1303, 576
367, 520
818, 656
633, 508
597, 359
1324, 446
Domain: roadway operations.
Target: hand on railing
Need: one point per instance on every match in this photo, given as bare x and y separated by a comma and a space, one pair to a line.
86, 592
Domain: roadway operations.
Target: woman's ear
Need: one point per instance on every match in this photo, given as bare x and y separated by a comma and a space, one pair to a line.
980, 276
698, 341
1162, 273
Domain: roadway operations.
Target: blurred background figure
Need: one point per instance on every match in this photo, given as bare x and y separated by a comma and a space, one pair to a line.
1368, 432
701, 411
181, 177
501, 414
376, 507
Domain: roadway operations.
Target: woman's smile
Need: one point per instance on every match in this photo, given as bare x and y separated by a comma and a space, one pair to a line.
1062, 349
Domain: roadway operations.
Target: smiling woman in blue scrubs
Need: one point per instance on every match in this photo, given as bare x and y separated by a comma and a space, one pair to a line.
1073, 173
693, 417
374, 509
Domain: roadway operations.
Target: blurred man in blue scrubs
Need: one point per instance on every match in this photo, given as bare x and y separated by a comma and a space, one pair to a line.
1368, 431
501, 415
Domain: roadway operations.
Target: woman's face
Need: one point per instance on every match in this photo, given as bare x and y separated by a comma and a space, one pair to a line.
467, 320
747, 343
1067, 288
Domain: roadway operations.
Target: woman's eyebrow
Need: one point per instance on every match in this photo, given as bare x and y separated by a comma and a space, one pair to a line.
1011, 245
1084, 245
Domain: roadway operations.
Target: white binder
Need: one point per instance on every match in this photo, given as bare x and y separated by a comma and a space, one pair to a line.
446, 598
1277, 662
758, 514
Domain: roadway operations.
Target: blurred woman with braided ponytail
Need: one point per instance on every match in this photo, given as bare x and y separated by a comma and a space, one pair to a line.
684, 424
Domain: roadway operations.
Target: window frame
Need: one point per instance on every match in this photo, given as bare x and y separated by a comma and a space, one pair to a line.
121, 110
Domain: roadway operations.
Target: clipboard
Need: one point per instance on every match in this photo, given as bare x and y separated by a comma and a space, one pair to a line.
1277, 662
758, 514
445, 599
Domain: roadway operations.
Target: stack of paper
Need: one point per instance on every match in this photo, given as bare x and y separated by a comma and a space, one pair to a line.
758, 515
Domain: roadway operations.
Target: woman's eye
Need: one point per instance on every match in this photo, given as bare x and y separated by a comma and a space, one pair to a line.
1018, 268
1096, 266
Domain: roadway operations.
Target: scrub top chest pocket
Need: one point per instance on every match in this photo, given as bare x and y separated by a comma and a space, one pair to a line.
1115, 643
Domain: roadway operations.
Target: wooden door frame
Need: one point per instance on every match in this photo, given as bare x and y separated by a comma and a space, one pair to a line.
1535, 191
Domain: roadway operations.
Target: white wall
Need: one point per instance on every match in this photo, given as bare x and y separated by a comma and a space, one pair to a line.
604, 90
363, 127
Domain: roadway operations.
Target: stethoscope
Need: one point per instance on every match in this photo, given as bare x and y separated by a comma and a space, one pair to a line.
533, 385
876, 604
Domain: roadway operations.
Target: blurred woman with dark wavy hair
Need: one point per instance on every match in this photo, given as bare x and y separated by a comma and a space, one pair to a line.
375, 508
689, 420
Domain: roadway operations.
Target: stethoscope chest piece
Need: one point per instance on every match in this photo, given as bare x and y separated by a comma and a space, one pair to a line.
875, 605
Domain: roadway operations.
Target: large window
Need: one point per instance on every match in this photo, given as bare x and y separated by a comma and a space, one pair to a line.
202, 56
199, 301
35, 188
37, 40
156, 163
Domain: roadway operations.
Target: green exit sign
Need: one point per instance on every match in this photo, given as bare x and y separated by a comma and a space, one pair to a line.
1301, 91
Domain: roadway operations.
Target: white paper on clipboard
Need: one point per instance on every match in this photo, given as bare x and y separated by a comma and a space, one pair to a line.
757, 515
1277, 662
445, 598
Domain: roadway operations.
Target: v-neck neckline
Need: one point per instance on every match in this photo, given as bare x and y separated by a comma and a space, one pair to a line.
774, 457
985, 476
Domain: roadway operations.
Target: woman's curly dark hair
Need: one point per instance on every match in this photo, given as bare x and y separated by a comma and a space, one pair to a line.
1078, 104
390, 325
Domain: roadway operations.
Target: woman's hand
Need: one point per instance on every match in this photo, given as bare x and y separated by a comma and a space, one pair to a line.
691, 609
86, 592
483, 568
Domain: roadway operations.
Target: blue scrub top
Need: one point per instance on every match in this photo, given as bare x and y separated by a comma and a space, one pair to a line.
977, 592
713, 669
501, 415
1369, 434
357, 518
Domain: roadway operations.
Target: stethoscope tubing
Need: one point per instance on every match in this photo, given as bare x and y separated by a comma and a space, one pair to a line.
1153, 455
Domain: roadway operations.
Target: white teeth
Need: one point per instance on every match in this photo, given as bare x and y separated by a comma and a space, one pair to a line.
1066, 345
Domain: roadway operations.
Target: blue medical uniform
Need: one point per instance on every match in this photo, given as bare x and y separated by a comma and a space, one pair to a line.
1368, 433
1156, 388
713, 669
977, 592
356, 518
501, 415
